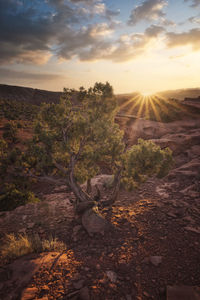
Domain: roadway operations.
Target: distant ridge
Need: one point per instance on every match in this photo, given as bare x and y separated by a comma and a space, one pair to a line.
30, 95
37, 96
181, 94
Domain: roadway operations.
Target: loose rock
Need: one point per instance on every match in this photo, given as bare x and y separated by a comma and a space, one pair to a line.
112, 276
155, 260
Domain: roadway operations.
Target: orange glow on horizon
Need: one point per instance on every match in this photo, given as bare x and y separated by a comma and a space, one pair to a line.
152, 107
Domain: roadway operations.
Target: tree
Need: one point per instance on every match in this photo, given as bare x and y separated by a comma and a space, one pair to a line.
14, 188
72, 140
10, 132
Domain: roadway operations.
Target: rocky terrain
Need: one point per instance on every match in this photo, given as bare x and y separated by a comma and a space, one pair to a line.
152, 247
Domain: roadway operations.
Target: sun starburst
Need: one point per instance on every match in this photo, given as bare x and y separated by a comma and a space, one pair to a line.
153, 107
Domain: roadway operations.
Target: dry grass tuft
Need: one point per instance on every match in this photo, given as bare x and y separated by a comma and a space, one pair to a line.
16, 246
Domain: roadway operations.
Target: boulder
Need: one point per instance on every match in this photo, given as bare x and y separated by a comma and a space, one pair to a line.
183, 293
93, 222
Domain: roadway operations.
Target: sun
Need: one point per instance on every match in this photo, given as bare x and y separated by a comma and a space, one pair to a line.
146, 94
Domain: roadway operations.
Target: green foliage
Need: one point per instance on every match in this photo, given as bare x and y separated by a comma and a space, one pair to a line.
36, 158
143, 160
3, 148
102, 90
17, 110
86, 131
85, 135
19, 125
11, 171
10, 159
12, 198
3, 157
10, 132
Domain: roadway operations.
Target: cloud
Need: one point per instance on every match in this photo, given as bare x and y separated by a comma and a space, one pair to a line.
149, 10
85, 1
97, 7
19, 54
191, 37
126, 48
195, 20
13, 74
23, 31
166, 22
87, 37
194, 3
33, 31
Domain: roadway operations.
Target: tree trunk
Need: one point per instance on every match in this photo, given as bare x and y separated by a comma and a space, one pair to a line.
77, 190
97, 197
90, 217
116, 188
89, 187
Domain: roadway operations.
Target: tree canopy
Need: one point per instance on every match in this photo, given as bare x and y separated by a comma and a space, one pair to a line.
74, 137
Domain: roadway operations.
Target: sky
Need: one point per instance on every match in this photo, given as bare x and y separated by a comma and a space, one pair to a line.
135, 45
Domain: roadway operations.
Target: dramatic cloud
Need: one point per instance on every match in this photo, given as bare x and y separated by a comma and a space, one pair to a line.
31, 32
78, 41
149, 10
194, 3
23, 30
191, 37
127, 47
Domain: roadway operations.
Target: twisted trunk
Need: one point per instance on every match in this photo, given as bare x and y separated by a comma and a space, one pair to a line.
84, 206
77, 190
89, 187
116, 188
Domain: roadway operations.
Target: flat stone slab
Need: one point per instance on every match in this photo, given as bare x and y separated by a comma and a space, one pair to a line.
183, 293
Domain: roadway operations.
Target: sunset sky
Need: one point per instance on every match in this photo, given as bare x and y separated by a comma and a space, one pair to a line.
135, 45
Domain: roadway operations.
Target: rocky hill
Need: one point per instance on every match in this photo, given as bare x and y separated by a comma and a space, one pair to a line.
151, 252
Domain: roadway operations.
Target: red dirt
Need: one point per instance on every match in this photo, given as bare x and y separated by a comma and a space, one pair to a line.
153, 243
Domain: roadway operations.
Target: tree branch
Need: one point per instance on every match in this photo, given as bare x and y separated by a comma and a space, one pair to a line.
65, 130
46, 178
59, 167
82, 144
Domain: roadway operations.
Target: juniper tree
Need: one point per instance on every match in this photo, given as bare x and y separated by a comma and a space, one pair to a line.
74, 137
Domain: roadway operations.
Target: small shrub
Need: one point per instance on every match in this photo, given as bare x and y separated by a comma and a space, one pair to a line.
53, 244
13, 198
16, 246
14, 156
19, 125
10, 132
50, 244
